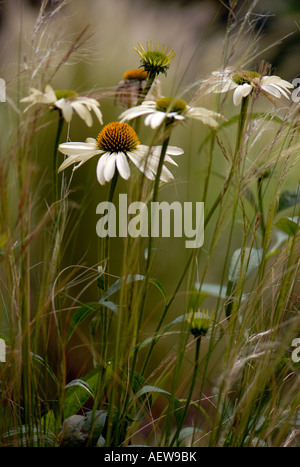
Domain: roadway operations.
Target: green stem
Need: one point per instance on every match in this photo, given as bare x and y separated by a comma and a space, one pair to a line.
146, 89
188, 400
55, 156
261, 207
146, 281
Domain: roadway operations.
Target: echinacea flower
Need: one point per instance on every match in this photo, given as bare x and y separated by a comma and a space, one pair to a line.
66, 102
116, 144
199, 322
169, 110
155, 61
131, 86
244, 83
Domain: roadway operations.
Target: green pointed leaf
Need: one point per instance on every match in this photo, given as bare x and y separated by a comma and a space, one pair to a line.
288, 225
81, 383
80, 315
172, 399
116, 286
79, 391
39, 359
160, 287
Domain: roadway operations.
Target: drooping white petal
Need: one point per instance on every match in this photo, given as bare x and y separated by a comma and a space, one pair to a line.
141, 163
83, 112
155, 119
66, 109
241, 91
98, 113
122, 165
273, 79
171, 150
275, 90
100, 168
110, 167
79, 158
135, 112
74, 149
166, 175
271, 89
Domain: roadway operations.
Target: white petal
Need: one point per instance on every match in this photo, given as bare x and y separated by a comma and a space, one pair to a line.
91, 141
79, 158
122, 165
166, 175
155, 119
141, 164
275, 90
67, 111
110, 167
134, 112
74, 149
50, 94
276, 80
271, 89
83, 112
240, 92
98, 113
170, 160
100, 168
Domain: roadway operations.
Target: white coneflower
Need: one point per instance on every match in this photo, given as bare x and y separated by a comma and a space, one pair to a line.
169, 109
245, 82
66, 101
116, 144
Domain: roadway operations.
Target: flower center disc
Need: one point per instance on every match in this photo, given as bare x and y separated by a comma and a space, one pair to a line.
245, 77
66, 94
137, 75
117, 137
168, 104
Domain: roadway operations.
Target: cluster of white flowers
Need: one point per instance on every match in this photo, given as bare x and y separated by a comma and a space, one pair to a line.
118, 143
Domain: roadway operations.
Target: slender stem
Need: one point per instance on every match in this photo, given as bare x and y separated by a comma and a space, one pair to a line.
261, 207
55, 156
147, 88
146, 280
188, 400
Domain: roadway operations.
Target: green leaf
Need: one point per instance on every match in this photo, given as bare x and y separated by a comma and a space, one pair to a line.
288, 199
160, 287
117, 285
39, 359
186, 432
251, 260
172, 399
288, 225
80, 315
79, 391
81, 383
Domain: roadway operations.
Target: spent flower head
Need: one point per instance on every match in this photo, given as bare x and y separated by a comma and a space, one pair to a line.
66, 101
155, 61
131, 86
199, 322
244, 82
116, 144
169, 110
